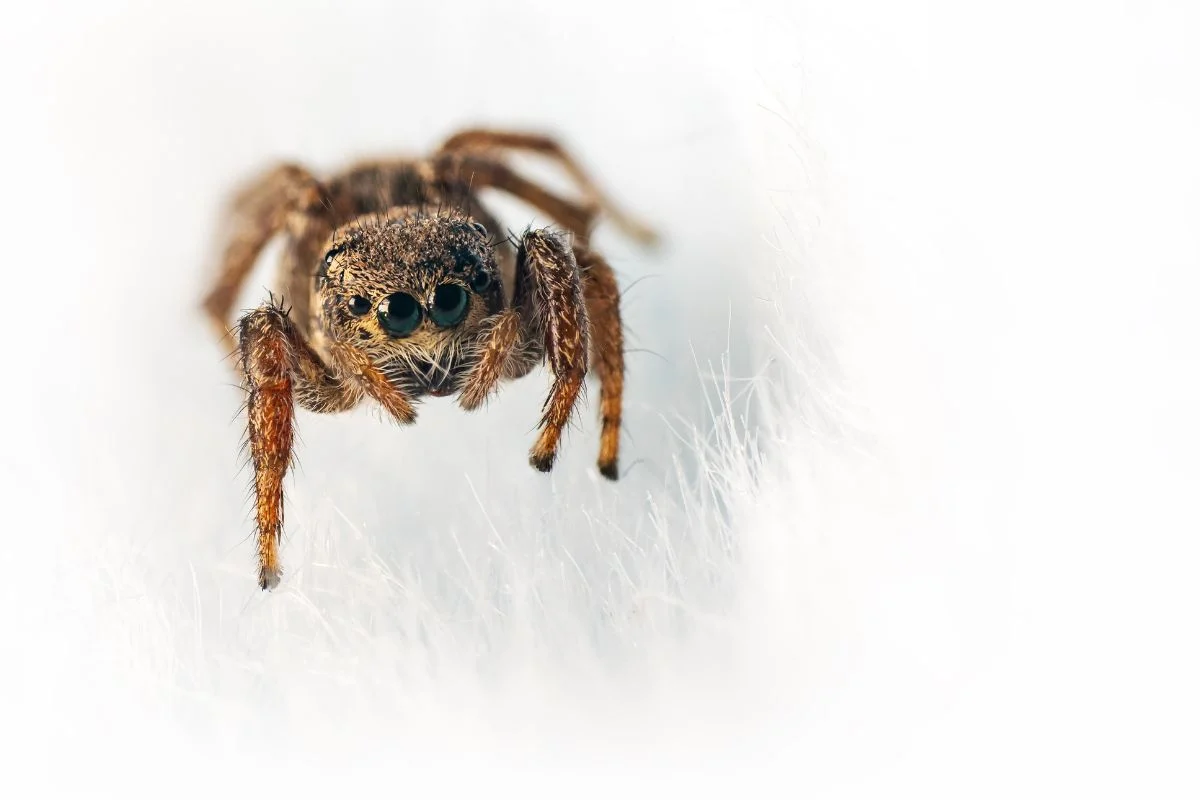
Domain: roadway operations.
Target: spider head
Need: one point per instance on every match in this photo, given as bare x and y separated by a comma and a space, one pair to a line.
410, 289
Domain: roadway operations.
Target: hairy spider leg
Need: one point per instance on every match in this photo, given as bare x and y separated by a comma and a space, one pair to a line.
279, 369
603, 298
482, 139
473, 172
549, 296
258, 212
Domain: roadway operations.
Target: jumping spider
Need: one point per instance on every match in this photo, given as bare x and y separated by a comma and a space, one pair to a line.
395, 285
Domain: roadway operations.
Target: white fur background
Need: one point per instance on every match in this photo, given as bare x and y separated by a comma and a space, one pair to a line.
909, 504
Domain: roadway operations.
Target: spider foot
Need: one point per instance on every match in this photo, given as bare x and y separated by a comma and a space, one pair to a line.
541, 460
268, 578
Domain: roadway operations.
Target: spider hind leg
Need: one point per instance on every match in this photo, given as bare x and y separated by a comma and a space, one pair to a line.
603, 298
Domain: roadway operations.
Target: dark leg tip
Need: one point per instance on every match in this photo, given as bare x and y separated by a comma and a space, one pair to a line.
609, 470
542, 462
268, 579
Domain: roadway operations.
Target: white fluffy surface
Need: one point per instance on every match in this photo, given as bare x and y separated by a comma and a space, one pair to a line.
911, 470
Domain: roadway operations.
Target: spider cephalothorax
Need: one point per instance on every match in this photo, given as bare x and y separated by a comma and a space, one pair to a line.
399, 288
411, 289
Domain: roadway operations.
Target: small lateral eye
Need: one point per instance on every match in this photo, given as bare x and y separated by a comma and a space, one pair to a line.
359, 305
449, 305
399, 314
478, 226
465, 260
334, 253
481, 281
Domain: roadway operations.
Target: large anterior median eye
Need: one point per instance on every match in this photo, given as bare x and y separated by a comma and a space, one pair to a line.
399, 314
449, 304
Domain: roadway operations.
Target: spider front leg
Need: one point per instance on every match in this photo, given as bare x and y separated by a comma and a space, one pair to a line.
279, 368
549, 297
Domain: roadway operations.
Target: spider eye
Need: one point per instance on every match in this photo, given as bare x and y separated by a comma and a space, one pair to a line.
481, 281
334, 253
478, 226
449, 305
399, 314
465, 260
359, 305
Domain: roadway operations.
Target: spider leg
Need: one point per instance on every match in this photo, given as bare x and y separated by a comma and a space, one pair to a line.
464, 173
549, 295
603, 298
483, 140
498, 357
256, 214
279, 369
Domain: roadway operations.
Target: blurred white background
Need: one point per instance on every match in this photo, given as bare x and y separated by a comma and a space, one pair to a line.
911, 442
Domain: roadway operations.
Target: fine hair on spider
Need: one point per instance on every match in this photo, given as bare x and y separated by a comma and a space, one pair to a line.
395, 284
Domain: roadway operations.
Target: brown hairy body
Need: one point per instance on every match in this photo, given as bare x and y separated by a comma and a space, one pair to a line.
394, 284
